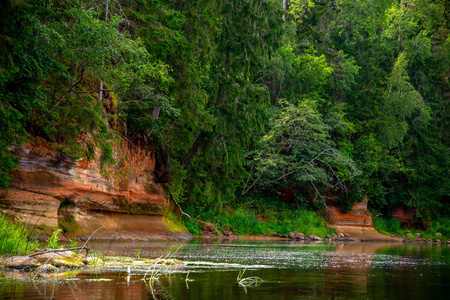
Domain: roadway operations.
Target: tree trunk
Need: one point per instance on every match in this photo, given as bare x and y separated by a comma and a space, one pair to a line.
155, 113
187, 158
101, 91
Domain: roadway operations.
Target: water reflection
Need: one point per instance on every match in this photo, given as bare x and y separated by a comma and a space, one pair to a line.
290, 270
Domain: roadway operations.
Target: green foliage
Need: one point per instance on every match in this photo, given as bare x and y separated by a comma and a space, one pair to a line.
306, 222
297, 150
14, 238
392, 141
192, 226
54, 57
364, 87
391, 226
401, 101
244, 222
441, 225
263, 217
295, 74
387, 226
53, 240
73, 242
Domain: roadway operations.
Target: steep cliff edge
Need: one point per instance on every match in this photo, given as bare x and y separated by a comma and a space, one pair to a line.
49, 190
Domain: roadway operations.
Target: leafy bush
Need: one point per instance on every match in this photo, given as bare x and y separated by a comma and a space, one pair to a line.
14, 238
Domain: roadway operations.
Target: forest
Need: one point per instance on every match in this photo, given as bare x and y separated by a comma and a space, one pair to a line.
249, 104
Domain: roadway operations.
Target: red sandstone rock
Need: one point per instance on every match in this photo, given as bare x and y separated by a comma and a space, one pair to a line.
407, 215
358, 216
49, 190
357, 223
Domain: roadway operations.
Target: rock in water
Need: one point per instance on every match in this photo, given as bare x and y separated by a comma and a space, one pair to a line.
20, 262
61, 259
315, 238
296, 235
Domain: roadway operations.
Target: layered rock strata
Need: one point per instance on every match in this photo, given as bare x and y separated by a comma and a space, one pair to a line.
356, 223
50, 191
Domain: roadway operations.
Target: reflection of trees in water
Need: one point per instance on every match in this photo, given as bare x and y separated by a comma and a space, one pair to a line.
351, 265
342, 270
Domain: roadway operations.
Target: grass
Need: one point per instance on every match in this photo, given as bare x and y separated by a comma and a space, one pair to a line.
261, 220
438, 228
53, 240
388, 226
14, 238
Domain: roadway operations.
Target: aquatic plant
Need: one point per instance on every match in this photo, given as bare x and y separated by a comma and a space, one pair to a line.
73, 242
138, 256
246, 282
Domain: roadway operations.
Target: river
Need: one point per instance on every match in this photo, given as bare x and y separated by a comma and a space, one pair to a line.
267, 270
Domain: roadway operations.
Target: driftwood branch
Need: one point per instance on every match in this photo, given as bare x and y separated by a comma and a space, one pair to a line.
60, 250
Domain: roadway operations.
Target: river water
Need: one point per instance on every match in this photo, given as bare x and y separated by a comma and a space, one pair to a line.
274, 270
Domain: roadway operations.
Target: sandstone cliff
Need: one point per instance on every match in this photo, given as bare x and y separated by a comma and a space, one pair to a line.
357, 223
50, 191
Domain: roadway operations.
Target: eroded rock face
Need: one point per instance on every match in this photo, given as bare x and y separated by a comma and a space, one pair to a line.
358, 216
407, 216
50, 190
357, 223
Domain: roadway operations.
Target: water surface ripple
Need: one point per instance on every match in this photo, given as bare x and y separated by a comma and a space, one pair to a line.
277, 270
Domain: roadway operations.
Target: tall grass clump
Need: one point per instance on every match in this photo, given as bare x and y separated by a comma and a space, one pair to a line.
273, 221
260, 217
307, 222
391, 226
245, 222
387, 226
53, 240
14, 238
